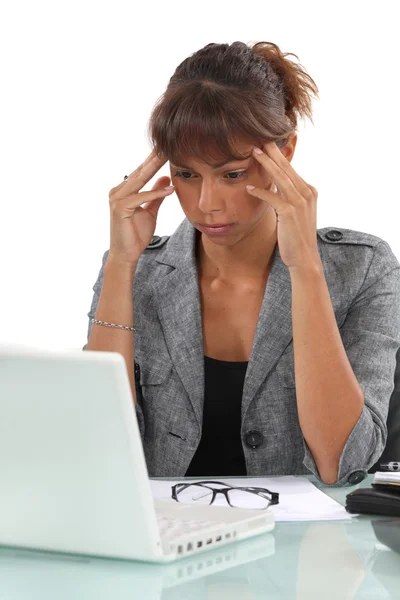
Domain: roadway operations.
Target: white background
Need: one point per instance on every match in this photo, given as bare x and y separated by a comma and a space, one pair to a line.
78, 82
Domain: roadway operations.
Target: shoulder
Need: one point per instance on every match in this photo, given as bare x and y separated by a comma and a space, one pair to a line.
357, 249
340, 235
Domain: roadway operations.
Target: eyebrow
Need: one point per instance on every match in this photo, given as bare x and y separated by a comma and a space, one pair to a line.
217, 165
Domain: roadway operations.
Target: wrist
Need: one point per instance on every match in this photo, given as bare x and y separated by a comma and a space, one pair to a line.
310, 270
117, 265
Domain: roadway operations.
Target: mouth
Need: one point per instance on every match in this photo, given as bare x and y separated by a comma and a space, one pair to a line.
219, 225
215, 229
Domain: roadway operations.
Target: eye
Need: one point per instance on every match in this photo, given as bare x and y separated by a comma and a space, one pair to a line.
239, 175
181, 174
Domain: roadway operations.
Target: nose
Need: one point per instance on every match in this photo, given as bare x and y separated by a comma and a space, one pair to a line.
209, 200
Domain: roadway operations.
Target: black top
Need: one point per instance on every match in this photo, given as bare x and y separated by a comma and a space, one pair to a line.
220, 450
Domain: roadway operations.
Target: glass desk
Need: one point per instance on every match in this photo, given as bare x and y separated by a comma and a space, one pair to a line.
335, 560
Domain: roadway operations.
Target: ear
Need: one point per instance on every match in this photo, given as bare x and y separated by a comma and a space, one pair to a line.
290, 146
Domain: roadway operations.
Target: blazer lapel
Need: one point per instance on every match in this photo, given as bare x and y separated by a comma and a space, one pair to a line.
274, 329
177, 298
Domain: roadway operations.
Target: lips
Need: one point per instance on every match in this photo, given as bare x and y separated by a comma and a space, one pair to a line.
221, 225
215, 229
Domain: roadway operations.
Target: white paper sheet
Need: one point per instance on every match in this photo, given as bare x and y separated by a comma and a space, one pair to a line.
299, 499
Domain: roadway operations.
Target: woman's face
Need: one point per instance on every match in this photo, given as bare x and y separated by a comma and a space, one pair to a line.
218, 196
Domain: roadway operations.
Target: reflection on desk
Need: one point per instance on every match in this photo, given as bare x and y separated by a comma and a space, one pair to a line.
44, 575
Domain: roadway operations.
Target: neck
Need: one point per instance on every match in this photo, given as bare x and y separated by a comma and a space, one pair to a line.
248, 259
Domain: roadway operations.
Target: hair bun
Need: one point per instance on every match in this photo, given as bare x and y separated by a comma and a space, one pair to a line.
297, 83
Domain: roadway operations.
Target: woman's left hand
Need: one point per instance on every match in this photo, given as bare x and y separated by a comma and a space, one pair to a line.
295, 204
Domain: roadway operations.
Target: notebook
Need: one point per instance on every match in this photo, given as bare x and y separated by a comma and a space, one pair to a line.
73, 472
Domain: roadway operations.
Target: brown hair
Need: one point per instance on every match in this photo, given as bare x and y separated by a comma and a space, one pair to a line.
225, 93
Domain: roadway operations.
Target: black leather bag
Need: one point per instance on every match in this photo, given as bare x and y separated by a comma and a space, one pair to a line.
378, 500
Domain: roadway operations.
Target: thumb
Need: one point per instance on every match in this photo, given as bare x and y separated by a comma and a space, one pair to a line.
161, 183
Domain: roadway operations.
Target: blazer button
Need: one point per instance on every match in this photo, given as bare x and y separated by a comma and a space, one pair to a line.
356, 477
155, 240
334, 235
253, 439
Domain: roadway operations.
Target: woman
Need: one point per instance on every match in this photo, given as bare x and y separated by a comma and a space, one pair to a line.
261, 345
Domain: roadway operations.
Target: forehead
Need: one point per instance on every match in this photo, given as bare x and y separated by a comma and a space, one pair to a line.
191, 162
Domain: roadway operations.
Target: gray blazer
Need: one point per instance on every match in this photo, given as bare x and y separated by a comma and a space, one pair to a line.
363, 276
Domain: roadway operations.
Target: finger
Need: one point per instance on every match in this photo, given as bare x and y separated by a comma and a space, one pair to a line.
138, 178
162, 182
269, 197
274, 153
153, 207
123, 183
144, 163
279, 175
135, 200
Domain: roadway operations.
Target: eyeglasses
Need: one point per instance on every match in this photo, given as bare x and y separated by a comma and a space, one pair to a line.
205, 492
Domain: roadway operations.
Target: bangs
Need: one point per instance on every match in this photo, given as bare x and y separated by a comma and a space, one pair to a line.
205, 121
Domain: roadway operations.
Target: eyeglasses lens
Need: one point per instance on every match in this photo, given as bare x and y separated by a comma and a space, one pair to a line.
195, 494
244, 499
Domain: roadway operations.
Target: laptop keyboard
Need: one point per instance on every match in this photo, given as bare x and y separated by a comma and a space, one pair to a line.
173, 528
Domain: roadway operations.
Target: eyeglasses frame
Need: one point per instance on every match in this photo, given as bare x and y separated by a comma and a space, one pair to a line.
273, 499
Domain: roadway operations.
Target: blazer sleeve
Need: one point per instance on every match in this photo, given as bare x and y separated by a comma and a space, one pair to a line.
371, 338
91, 314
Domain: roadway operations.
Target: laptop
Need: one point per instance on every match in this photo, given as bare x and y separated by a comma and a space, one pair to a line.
73, 476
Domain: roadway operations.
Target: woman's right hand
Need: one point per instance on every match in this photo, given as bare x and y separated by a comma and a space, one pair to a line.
131, 225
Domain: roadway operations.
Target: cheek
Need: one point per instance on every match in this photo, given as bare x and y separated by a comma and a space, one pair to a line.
247, 210
187, 202
183, 196
258, 208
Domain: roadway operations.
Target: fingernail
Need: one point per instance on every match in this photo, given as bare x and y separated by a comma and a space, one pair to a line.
169, 187
257, 150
